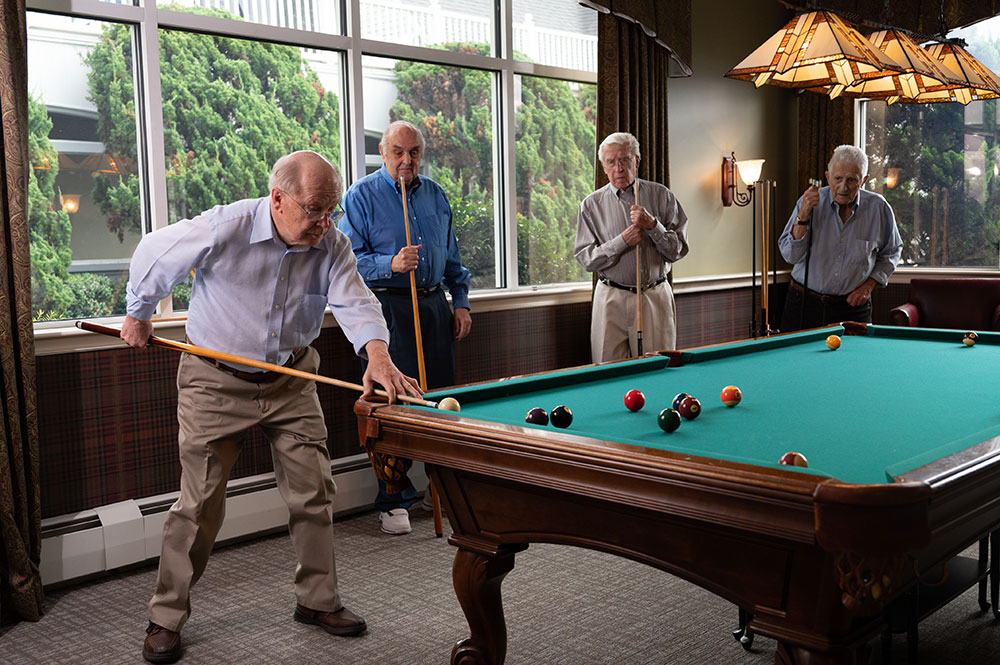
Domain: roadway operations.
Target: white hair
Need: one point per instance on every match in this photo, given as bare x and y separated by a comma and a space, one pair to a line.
849, 154
620, 138
396, 126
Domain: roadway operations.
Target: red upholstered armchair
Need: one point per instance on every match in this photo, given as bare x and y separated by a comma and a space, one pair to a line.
966, 303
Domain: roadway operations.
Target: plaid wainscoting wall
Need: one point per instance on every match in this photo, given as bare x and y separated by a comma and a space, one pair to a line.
107, 419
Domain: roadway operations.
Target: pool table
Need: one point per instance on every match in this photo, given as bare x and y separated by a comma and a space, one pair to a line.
901, 429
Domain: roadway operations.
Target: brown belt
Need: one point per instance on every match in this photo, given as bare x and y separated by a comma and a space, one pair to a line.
258, 377
822, 297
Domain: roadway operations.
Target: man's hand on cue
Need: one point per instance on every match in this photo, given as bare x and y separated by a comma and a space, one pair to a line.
406, 259
632, 235
641, 218
381, 370
136, 333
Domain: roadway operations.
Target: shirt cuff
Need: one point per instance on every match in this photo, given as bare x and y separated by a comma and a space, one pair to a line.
367, 334
459, 300
384, 266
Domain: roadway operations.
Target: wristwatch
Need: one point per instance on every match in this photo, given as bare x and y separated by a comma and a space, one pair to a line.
801, 222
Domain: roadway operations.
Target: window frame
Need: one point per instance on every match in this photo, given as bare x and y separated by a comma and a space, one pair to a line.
146, 21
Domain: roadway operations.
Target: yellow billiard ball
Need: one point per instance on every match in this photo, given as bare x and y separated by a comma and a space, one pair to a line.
833, 342
970, 338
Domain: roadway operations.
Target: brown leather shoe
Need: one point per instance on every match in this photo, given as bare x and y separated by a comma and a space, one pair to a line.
161, 645
342, 622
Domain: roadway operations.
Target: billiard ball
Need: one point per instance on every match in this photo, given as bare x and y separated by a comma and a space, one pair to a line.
537, 416
668, 420
793, 459
970, 338
833, 342
677, 400
689, 407
731, 396
634, 400
561, 416
449, 404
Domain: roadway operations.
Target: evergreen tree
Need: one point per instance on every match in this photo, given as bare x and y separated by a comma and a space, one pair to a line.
554, 149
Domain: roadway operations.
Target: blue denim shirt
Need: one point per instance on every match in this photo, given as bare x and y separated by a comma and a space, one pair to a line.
374, 224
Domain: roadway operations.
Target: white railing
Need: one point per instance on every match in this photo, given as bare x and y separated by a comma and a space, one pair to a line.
398, 23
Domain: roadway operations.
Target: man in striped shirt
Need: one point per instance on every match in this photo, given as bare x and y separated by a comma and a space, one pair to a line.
614, 230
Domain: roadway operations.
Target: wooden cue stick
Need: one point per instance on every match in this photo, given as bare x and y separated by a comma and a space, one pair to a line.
765, 255
250, 362
421, 367
638, 279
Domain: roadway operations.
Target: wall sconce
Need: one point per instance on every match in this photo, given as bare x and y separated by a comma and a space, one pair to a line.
749, 173
70, 202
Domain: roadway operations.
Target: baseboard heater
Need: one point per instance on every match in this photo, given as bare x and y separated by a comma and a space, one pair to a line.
121, 535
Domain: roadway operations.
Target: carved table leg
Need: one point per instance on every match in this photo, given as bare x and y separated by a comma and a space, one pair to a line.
477, 578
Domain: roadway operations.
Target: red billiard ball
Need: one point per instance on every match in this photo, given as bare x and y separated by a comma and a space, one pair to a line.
794, 459
537, 416
668, 420
731, 396
561, 416
689, 407
677, 400
634, 400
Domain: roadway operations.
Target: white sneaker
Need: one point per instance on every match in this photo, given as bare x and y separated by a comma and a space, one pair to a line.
427, 503
395, 521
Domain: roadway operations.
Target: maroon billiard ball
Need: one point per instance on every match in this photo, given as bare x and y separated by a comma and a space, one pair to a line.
689, 407
634, 400
794, 459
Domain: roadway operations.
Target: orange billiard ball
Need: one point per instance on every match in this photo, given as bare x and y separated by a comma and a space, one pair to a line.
731, 396
794, 459
833, 342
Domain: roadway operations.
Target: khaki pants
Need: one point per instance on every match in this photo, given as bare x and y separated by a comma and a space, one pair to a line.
214, 410
612, 323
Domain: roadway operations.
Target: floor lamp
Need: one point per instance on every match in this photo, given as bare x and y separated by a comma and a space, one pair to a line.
749, 170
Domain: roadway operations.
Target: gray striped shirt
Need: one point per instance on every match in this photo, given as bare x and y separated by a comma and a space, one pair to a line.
604, 215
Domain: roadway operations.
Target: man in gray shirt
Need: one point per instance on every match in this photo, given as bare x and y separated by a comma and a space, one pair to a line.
609, 227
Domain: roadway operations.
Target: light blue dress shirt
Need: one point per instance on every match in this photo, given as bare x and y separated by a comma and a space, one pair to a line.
374, 224
253, 296
844, 254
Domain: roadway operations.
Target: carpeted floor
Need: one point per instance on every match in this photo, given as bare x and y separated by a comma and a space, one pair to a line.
563, 605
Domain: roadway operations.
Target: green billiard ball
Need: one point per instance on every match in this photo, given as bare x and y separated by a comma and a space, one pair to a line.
668, 420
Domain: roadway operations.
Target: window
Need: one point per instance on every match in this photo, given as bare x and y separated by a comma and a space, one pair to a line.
107, 169
938, 166
83, 193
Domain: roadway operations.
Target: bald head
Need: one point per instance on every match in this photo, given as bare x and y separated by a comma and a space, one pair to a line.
305, 193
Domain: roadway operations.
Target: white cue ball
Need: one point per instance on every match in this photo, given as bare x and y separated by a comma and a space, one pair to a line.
449, 404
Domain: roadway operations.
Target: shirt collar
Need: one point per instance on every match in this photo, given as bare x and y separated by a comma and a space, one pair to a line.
619, 192
853, 204
263, 225
384, 172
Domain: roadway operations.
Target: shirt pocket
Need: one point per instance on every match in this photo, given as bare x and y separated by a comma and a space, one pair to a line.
434, 230
863, 252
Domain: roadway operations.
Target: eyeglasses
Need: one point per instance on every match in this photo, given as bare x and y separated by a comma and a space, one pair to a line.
623, 161
316, 214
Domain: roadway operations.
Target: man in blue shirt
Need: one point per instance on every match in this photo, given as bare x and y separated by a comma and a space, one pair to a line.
374, 224
842, 242
265, 271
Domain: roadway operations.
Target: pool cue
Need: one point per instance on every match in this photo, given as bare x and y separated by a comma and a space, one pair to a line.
638, 279
813, 182
421, 367
765, 256
250, 362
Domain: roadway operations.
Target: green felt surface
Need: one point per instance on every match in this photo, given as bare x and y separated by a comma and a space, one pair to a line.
879, 406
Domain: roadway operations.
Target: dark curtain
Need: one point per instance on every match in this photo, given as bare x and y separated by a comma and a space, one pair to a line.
632, 94
824, 124
20, 506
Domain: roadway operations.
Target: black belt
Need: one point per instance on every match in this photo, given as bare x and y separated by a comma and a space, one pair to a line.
422, 291
630, 289
822, 297
258, 377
